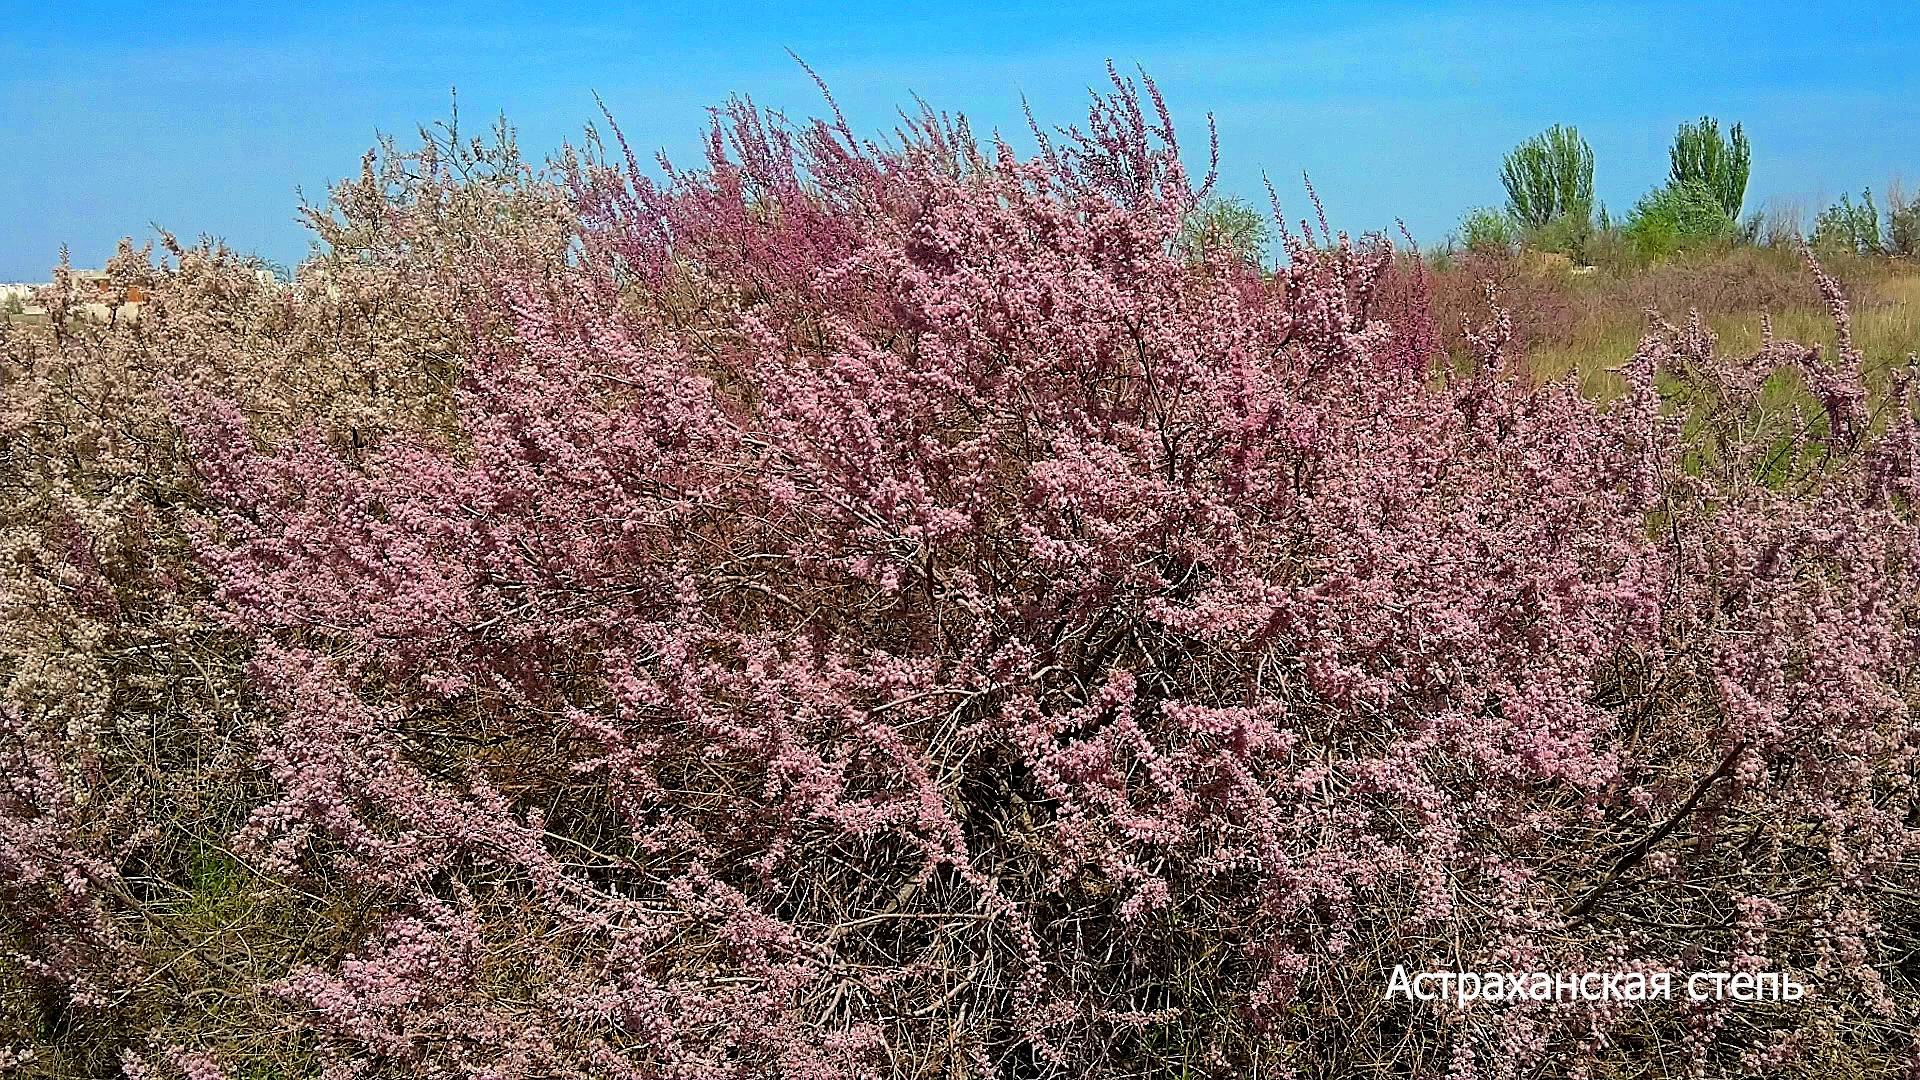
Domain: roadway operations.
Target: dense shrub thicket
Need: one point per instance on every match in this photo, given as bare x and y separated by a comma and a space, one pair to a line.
912, 610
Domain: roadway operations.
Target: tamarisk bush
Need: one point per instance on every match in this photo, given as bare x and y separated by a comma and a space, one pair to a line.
869, 610
128, 753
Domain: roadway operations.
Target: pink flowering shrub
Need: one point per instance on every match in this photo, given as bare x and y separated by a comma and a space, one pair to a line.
128, 751
858, 610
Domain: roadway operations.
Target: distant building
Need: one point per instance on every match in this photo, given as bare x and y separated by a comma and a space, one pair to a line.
100, 285
97, 299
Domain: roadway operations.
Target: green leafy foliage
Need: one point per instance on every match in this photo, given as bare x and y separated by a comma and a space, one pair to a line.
1702, 156
1224, 223
1568, 234
1486, 229
1849, 228
1549, 181
1679, 217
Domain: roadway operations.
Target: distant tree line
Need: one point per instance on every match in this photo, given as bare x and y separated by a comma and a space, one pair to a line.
1550, 205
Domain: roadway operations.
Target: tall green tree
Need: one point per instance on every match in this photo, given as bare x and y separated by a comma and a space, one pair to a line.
1549, 179
1224, 223
1719, 163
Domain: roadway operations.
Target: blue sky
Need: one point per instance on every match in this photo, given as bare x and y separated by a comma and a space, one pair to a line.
114, 116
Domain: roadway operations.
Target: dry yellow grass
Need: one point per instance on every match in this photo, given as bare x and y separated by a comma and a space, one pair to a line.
1886, 329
